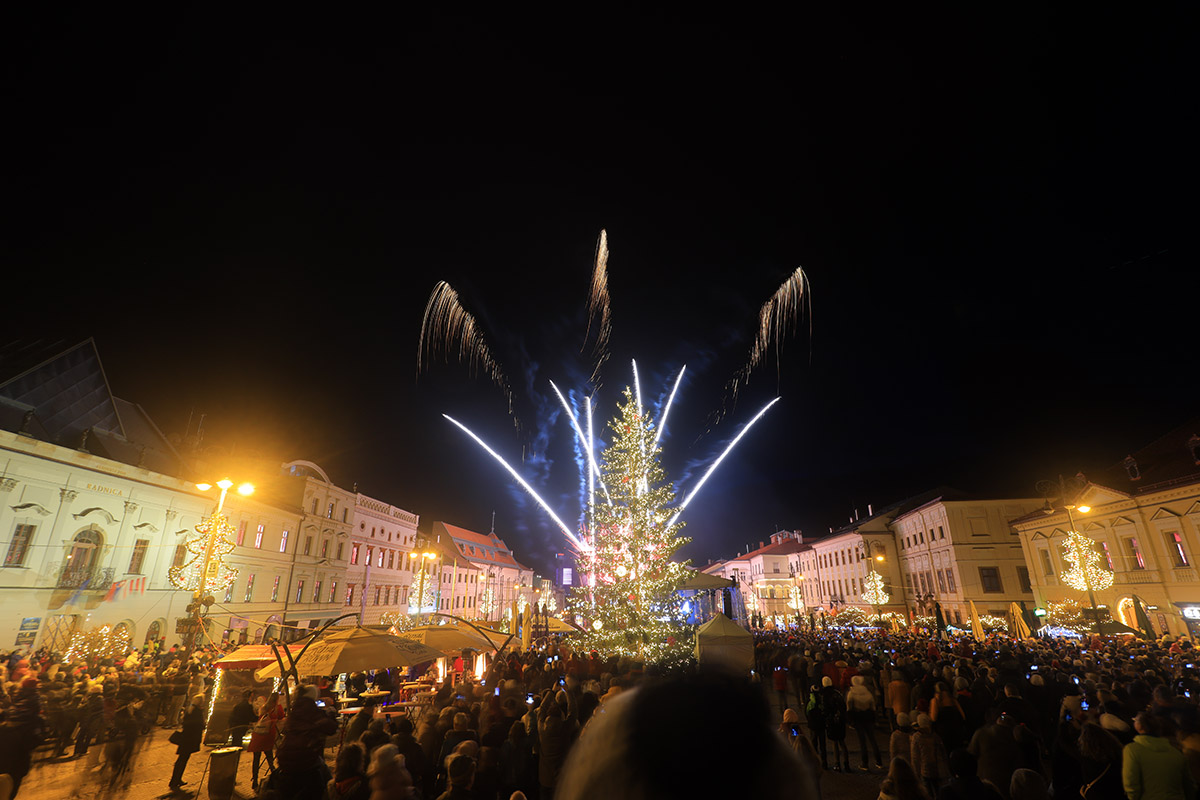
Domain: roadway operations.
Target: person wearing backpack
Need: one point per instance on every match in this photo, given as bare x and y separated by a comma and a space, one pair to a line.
834, 706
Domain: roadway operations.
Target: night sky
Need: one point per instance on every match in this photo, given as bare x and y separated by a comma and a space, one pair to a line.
996, 215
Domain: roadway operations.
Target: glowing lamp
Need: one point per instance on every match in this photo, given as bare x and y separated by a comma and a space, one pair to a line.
1084, 509
246, 489
225, 483
204, 487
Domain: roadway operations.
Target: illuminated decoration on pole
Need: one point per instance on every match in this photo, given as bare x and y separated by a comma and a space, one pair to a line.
215, 531
1066, 616
873, 590
635, 596
487, 602
1085, 573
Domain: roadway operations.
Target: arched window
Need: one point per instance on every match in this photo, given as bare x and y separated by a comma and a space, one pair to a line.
153, 632
82, 559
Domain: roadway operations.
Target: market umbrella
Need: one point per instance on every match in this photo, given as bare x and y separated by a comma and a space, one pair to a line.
976, 625
1020, 626
497, 638
1143, 619
356, 650
939, 619
448, 638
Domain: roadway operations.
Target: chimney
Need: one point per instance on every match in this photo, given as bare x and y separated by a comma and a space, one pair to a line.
761, 544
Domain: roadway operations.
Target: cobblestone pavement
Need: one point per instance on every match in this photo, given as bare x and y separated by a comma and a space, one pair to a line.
89, 777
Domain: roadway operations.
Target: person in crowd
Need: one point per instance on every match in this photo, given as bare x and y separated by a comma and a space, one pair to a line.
964, 783
518, 771
861, 710
900, 743
349, 781
1099, 764
263, 736
460, 770
996, 747
187, 740
929, 758
1028, 784
91, 718
21, 730
409, 749
302, 773
241, 717
833, 709
1151, 768
389, 779
949, 719
816, 724
557, 727
902, 783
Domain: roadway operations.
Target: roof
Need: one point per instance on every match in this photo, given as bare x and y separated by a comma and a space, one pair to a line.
1167, 460
486, 549
781, 549
903, 507
59, 393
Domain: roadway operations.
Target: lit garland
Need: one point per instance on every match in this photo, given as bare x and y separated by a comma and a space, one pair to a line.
873, 591
1067, 616
546, 601
991, 622
220, 575
487, 602
924, 621
1085, 573
98, 643
634, 595
423, 605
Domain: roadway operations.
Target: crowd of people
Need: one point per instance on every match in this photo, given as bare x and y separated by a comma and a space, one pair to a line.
1113, 718
1098, 718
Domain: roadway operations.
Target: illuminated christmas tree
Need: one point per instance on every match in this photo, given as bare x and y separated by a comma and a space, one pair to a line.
216, 531
631, 596
1085, 573
98, 643
873, 590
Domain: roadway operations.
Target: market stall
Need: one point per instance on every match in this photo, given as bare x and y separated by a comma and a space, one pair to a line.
234, 675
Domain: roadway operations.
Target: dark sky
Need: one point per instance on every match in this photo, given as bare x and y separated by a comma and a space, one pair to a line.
996, 214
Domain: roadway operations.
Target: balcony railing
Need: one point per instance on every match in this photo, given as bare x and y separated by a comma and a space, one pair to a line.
95, 579
1138, 576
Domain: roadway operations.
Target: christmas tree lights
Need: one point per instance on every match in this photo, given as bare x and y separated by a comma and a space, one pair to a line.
632, 588
873, 590
98, 643
1085, 573
217, 532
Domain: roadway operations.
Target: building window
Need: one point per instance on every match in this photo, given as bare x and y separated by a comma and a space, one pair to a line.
341, 550
314, 505
387, 595
258, 536
1047, 564
307, 545
329, 512
1023, 580
990, 578
139, 555
324, 548
1133, 554
354, 553
300, 591
333, 592
1175, 548
941, 532
229, 593
180, 555
283, 542
380, 564
317, 592
941, 579
249, 597
241, 534
345, 515
18, 548
1107, 556
350, 594
391, 559
950, 580
275, 590
377, 592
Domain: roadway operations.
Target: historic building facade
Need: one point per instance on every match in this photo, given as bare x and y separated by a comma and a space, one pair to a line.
502, 579
1143, 513
379, 574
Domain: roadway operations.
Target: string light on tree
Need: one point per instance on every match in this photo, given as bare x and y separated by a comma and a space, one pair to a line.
217, 531
1085, 573
874, 591
635, 597
98, 643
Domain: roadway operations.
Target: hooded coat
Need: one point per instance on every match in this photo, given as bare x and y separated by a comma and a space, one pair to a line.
1154, 770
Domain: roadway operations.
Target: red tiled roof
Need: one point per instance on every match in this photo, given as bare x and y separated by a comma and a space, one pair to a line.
502, 556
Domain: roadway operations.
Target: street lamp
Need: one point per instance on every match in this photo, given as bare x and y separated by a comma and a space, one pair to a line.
213, 541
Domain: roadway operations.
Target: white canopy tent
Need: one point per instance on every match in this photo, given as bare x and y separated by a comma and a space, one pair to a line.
721, 642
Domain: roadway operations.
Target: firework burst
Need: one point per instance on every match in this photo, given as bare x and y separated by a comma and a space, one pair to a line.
598, 306
776, 320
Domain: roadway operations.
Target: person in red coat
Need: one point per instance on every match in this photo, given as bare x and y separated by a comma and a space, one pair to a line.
263, 736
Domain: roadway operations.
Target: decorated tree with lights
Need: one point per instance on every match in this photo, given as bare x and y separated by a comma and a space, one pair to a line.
631, 598
105, 641
213, 532
1085, 573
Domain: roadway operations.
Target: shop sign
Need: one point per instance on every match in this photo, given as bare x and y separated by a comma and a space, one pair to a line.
31, 624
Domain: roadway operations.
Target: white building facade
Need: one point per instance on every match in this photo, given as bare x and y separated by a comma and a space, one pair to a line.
380, 569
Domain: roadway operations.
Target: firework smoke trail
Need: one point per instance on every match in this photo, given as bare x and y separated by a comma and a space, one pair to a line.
776, 319
591, 480
599, 303
717, 463
566, 531
662, 422
584, 443
447, 326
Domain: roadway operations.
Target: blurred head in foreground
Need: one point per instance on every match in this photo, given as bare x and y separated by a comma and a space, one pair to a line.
653, 742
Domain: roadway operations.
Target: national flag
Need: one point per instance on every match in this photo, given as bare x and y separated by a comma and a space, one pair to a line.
137, 585
114, 591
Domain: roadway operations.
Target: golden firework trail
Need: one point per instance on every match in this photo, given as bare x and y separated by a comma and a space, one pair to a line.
776, 319
449, 328
598, 305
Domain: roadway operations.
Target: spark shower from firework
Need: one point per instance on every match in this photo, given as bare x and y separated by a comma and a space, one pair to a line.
448, 330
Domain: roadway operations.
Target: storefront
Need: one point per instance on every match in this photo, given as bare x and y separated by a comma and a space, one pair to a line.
1191, 616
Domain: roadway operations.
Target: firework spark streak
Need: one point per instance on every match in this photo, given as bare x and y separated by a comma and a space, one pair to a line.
775, 321
566, 531
598, 303
584, 443
717, 463
591, 495
662, 423
448, 326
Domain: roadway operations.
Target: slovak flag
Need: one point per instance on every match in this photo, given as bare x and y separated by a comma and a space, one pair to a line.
114, 591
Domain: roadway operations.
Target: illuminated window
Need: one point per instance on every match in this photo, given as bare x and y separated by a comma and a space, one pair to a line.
380, 564
1175, 548
329, 512
307, 545
18, 548
377, 591
283, 542
317, 592
249, 589
229, 593
275, 590
1133, 554
299, 591
950, 580
258, 536
350, 594
324, 548
341, 550
354, 553
241, 534
941, 579
1107, 555
333, 592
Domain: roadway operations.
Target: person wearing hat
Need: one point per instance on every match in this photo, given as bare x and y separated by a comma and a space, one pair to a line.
833, 708
929, 759
900, 743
